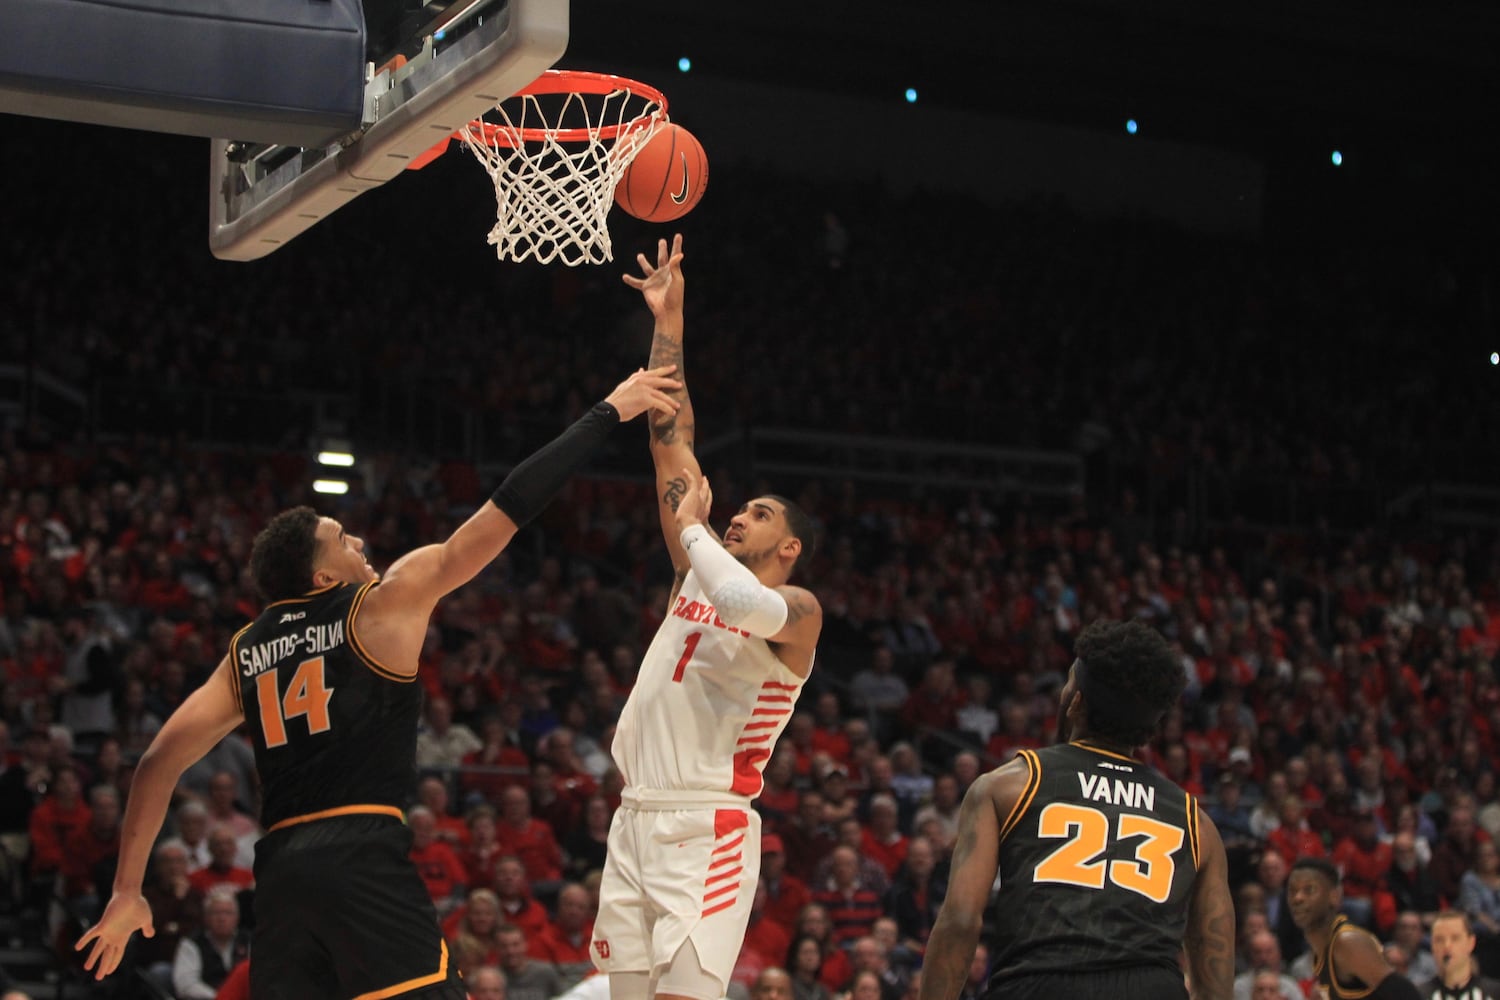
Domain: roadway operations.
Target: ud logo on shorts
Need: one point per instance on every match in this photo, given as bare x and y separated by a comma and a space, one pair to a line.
602, 947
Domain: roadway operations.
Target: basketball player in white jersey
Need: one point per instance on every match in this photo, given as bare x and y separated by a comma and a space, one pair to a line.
715, 690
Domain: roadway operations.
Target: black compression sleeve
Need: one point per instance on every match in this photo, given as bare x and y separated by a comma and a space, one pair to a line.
532, 484
1395, 987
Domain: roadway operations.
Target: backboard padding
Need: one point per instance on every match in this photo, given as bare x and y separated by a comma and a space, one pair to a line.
407, 110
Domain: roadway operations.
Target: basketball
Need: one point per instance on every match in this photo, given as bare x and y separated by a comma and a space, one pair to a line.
666, 178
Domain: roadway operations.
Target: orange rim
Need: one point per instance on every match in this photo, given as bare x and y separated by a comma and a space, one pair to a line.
559, 81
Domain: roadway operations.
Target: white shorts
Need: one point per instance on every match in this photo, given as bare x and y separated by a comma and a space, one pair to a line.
672, 874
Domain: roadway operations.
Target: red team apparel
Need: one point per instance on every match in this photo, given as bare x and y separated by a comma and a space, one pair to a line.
691, 744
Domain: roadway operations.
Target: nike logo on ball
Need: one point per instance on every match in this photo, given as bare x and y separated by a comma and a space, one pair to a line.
681, 196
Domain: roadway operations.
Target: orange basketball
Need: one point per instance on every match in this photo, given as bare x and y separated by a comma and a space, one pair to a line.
666, 178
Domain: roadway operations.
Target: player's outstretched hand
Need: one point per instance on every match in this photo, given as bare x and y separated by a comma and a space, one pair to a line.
124, 915
645, 390
697, 501
662, 284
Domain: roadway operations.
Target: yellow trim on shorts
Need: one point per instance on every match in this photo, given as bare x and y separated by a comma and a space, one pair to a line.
413, 984
363, 810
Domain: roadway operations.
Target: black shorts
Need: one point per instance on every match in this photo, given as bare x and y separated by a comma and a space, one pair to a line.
1138, 982
341, 912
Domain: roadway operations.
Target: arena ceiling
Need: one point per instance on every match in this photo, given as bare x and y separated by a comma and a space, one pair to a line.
1245, 74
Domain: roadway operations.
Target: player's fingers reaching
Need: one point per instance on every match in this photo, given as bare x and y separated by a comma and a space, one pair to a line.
662, 256
705, 496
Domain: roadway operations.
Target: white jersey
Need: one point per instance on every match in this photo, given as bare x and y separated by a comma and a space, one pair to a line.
707, 706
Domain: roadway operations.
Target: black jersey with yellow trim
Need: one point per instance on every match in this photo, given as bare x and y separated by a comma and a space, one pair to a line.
332, 726
1097, 863
1326, 975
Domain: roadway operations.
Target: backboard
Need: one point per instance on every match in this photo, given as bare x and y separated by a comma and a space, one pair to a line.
457, 60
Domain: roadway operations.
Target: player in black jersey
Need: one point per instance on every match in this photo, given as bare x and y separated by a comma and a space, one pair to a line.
1348, 961
1107, 869
325, 680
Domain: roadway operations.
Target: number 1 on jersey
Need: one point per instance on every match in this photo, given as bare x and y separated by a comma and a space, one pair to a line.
689, 645
307, 695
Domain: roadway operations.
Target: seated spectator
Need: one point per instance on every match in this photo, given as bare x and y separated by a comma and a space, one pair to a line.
765, 941
205, 959
773, 983
176, 912
1266, 984
808, 837
852, 904
191, 820
498, 763
587, 843
779, 797
1232, 817
828, 737
525, 977
1454, 853
224, 811
786, 894
1411, 885
910, 784
977, 719
881, 839
528, 838
867, 955
1453, 943
804, 962
1294, 838
572, 780
221, 868
516, 904
1015, 733
839, 803
1479, 898
558, 811
814, 922
916, 895
866, 985
564, 942
473, 932
90, 853
432, 792
979, 974
871, 873
879, 690
60, 815
1265, 956
1408, 934
1364, 861
480, 857
486, 983
436, 863
442, 744
946, 800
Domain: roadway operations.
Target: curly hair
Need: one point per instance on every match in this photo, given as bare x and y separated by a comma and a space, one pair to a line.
1129, 679
281, 560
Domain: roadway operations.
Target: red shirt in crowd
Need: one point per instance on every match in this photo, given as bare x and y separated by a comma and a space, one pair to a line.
50, 827
535, 846
440, 870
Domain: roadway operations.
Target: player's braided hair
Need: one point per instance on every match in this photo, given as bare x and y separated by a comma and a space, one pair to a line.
1129, 679
281, 560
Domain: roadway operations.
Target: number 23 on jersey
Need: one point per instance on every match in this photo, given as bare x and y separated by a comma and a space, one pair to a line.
1086, 829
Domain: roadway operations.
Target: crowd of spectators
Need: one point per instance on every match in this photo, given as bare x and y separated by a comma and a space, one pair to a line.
1341, 694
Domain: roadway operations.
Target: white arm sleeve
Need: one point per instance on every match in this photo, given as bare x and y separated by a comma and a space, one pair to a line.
739, 598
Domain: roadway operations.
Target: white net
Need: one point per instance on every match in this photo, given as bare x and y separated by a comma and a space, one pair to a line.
555, 159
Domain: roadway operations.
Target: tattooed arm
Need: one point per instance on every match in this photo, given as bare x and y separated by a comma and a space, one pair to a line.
976, 859
671, 436
1209, 938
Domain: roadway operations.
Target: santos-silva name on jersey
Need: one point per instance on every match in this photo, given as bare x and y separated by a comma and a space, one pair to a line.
266, 655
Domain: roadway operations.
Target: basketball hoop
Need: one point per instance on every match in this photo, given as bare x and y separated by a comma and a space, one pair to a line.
555, 155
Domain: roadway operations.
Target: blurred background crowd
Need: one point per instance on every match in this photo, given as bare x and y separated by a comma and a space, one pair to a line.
1259, 441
